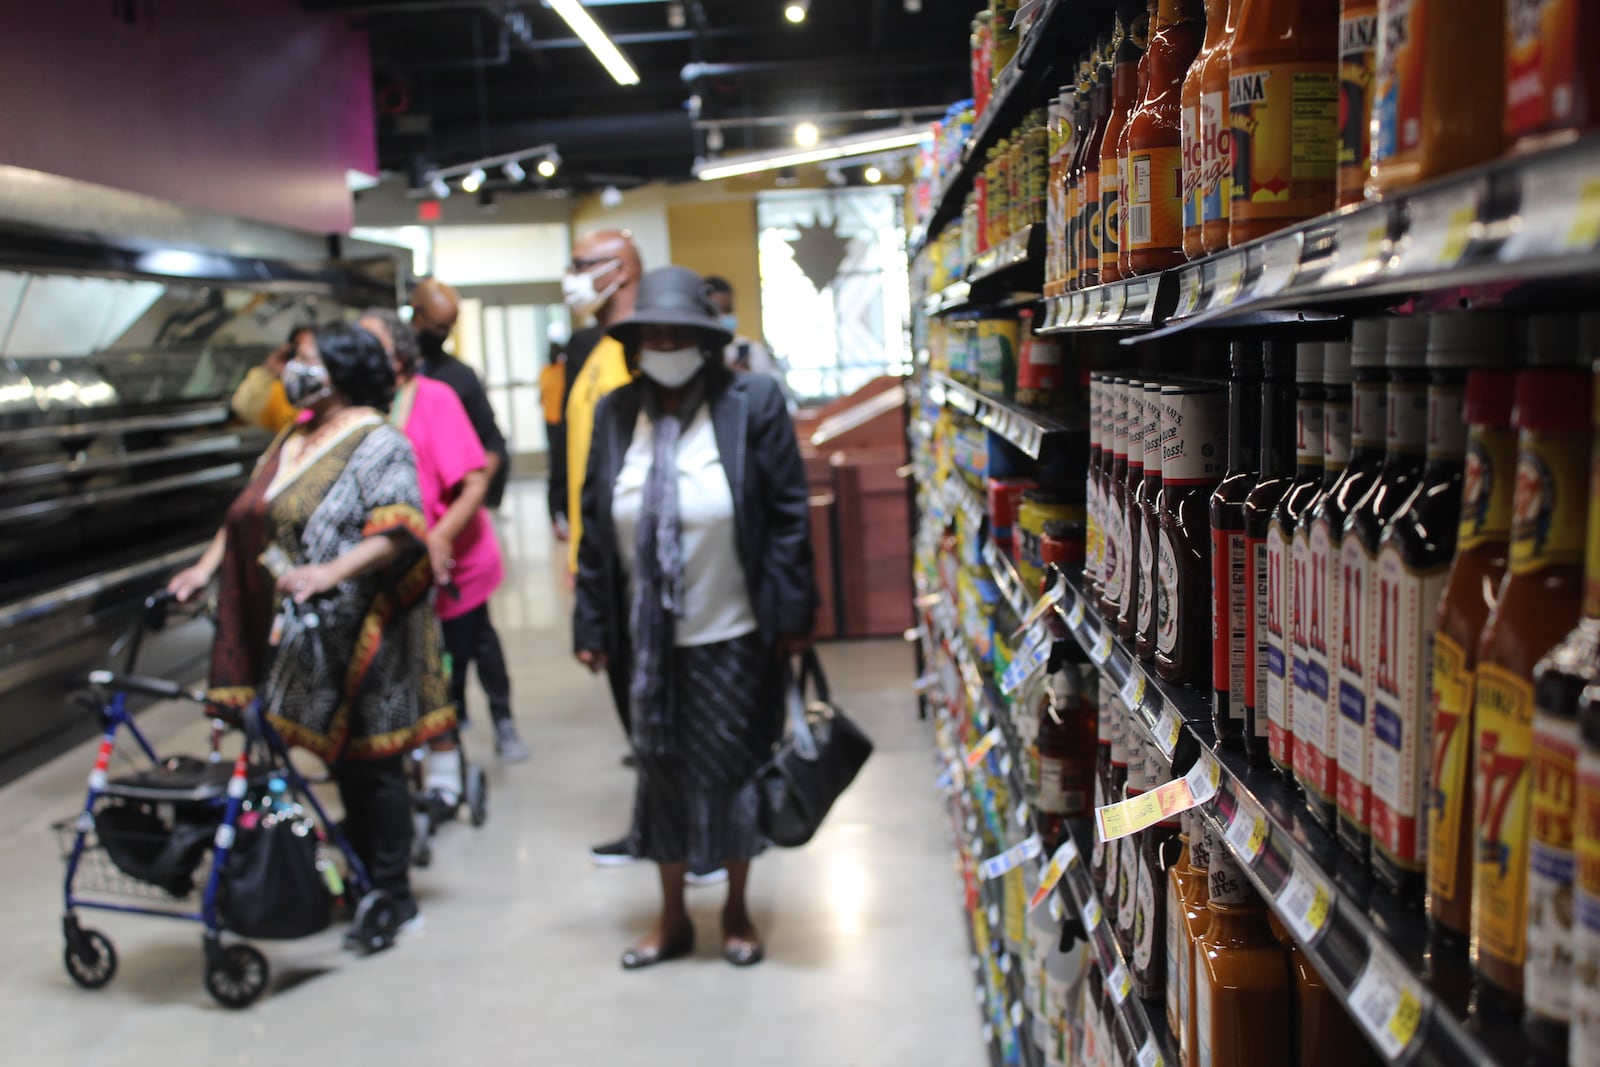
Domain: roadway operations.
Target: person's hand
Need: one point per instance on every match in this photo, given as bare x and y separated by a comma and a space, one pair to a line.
277, 359
595, 660
441, 554
303, 583
793, 644
187, 583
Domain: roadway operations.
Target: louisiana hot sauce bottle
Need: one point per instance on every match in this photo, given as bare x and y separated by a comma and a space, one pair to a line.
1124, 98
1149, 522
1539, 603
1441, 75
1369, 402
1414, 557
1313, 729
1192, 463
1362, 642
1277, 471
1141, 34
1154, 182
1552, 81
1287, 618
1230, 570
1358, 74
1128, 611
1283, 102
1216, 138
1558, 685
1483, 538
1193, 141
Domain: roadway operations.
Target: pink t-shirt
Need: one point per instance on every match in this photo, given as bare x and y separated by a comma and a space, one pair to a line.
448, 450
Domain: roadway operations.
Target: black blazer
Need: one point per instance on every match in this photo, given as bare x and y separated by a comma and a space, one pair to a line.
756, 439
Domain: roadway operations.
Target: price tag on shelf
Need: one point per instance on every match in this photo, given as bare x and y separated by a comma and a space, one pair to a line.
1100, 651
1247, 832
987, 1033
1011, 858
1280, 261
1005, 764
1388, 1002
1053, 872
1119, 983
1228, 281
1168, 729
1005, 963
1016, 1013
1029, 659
1439, 228
1361, 247
1044, 605
981, 749
1075, 616
1560, 211
1306, 904
1150, 1053
1132, 692
1205, 777
1116, 302
1189, 288
1056, 912
1022, 814
1091, 914
1138, 307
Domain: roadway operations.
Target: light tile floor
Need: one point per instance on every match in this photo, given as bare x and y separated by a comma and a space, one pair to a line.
867, 960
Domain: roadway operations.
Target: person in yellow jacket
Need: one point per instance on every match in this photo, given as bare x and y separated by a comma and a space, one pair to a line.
260, 399
602, 281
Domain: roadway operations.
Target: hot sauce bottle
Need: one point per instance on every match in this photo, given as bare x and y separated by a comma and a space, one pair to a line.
1539, 602
1192, 464
1193, 138
1093, 531
1552, 83
1283, 102
1149, 521
1441, 73
1314, 736
1483, 539
1079, 126
1141, 33
1190, 921
1287, 617
1127, 897
1363, 644
1117, 500
1230, 582
1277, 471
1358, 72
1159, 853
1216, 135
1414, 557
1585, 1040
1325, 1034
1124, 98
1093, 202
1154, 181
1368, 404
1102, 856
1132, 520
1558, 685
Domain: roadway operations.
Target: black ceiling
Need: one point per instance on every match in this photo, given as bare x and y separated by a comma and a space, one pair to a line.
457, 80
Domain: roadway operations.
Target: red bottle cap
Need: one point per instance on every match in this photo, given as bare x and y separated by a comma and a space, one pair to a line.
1553, 400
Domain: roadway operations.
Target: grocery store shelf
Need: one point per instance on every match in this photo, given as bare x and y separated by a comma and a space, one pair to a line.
1025, 248
952, 297
1370, 946
1028, 430
1130, 304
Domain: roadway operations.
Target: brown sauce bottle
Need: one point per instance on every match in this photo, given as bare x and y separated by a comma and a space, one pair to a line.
1276, 472
1141, 31
1124, 98
1092, 226
1229, 565
1108, 790
1096, 527
1186, 923
1133, 518
1193, 458
1149, 523
1325, 1033
1552, 81
1127, 895
1160, 851
1216, 139
1117, 498
1155, 140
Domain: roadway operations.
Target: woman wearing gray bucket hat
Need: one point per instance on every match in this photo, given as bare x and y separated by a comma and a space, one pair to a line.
694, 581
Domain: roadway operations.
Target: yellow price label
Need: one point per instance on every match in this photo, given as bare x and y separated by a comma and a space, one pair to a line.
1406, 1019
1585, 230
1458, 232
1317, 913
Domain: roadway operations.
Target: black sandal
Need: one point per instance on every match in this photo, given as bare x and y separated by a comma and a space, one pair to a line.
744, 953
638, 958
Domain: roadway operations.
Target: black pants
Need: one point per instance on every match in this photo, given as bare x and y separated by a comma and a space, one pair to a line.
471, 638
556, 433
377, 813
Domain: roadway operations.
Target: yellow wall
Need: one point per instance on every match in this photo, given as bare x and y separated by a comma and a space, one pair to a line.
720, 238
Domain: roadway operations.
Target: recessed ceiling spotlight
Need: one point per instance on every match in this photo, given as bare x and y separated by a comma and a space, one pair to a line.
873, 175
473, 181
806, 134
796, 10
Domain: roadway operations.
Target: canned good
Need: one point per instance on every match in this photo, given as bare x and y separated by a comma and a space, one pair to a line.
1038, 508
997, 356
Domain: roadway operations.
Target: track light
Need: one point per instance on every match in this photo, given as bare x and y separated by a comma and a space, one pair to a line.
796, 10
513, 171
806, 134
676, 18
473, 181
873, 175
440, 187
548, 166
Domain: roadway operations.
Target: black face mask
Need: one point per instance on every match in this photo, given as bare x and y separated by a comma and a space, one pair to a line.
432, 342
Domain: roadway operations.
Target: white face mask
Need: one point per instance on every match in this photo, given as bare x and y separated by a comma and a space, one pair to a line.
730, 322
671, 368
579, 293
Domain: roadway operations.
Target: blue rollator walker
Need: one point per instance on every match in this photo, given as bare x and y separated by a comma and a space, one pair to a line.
140, 838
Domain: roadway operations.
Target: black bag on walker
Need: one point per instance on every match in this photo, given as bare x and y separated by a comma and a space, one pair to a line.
271, 887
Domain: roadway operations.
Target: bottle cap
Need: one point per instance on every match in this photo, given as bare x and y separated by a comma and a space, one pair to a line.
1308, 357
1278, 359
1369, 339
1489, 397
1244, 358
1554, 400
1465, 339
1408, 342
1336, 369
1553, 341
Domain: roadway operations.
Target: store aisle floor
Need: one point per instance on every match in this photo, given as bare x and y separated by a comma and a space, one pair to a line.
517, 963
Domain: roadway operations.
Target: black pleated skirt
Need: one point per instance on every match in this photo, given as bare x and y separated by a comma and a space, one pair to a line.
698, 803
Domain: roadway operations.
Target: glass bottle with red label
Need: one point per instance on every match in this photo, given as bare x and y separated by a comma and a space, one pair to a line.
1230, 583
1287, 617
1216, 138
1552, 81
1558, 684
1127, 616
1539, 603
1277, 472
1283, 104
1193, 132
1192, 465
1124, 99
1364, 643
1413, 563
1369, 402
1358, 74
1149, 523
1154, 180
1067, 746
1141, 31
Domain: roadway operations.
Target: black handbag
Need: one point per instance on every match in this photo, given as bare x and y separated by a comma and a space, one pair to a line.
271, 887
818, 759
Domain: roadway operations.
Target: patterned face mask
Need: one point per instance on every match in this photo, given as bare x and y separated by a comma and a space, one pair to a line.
304, 383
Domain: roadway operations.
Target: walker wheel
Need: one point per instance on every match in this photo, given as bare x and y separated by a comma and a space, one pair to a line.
477, 795
237, 975
375, 925
421, 839
90, 959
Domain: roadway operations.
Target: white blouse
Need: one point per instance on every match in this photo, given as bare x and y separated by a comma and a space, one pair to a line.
716, 599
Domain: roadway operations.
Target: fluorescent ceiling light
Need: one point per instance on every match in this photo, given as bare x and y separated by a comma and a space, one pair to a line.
604, 49
806, 134
859, 145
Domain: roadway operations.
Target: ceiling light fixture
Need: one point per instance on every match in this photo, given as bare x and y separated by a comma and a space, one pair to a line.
590, 33
440, 187
473, 181
873, 175
676, 18
513, 171
806, 134
796, 10
859, 145
548, 166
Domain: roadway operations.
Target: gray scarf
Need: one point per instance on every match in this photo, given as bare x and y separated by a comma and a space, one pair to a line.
658, 572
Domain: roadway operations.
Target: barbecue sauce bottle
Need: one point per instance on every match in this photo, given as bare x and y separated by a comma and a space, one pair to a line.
1127, 616
1277, 471
1230, 586
1149, 520
1117, 500
1358, 74
1094, 530
1362, 641
1287, 617
1079, 123
1315, 737
1369, 402
1155, 165
1559, 682
1124, 98
1539, 602
1159, 853
1412, 571
1483, 539
1127, 898
1192, 464
1103, 856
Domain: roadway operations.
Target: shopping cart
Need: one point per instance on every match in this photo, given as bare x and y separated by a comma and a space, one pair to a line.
141, 839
